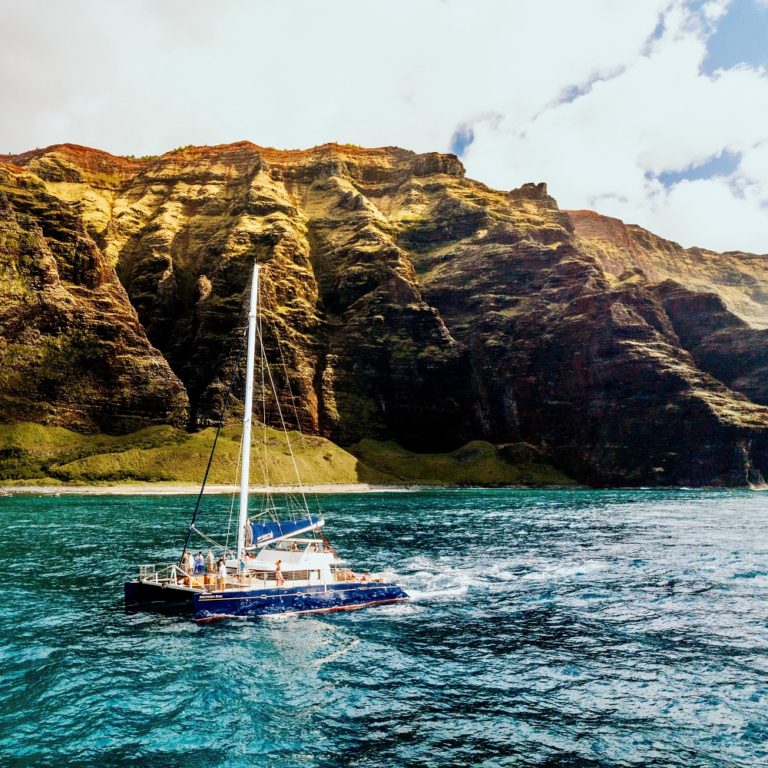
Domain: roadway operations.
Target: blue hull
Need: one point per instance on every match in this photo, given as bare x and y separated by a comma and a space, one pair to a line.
253, 603
154, 597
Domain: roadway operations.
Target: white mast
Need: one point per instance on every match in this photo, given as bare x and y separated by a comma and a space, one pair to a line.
245, 463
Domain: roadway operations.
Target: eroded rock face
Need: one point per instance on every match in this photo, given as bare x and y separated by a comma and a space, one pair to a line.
722, 344
411, 303
586, 365
739, 279
72, 350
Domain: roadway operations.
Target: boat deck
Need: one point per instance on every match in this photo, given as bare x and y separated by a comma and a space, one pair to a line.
249, 580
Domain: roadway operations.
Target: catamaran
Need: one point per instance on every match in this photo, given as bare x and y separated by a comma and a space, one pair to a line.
283, 564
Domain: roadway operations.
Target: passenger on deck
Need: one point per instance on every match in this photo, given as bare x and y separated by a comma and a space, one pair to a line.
186, 562
210, 562
222, 580
294, 547
279, 573
199, 563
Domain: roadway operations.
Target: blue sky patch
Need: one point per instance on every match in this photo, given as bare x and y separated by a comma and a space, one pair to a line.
573, 92
659, 29
462, 137
741, 37
723, 164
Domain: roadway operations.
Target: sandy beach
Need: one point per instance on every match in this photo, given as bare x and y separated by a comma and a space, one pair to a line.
175, 489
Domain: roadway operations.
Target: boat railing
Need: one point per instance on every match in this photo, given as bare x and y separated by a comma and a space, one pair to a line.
162, 573
157, 572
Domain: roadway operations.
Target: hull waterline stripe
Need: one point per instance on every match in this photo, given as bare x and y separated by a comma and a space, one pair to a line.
222, 616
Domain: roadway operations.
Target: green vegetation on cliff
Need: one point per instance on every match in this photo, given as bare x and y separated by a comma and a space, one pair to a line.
166, 454
476, 463
36, 454
401, 301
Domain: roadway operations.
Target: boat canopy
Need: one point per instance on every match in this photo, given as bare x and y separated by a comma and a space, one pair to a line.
266, 533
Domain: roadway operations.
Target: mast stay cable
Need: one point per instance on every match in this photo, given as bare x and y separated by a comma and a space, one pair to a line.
213, 448
285, 428
292, 399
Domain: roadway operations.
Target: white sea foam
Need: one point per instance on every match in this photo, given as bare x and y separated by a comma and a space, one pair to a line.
565, 571
437, 579
400, 609
436, 594
336, 654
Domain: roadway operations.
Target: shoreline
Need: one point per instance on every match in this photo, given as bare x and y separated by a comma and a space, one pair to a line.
185, 489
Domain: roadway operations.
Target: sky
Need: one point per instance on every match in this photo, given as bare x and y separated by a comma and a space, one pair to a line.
654, 111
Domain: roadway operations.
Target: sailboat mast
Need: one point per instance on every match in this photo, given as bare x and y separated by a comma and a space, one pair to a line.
245, 463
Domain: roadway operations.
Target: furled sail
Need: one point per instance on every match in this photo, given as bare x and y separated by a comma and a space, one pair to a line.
265, 533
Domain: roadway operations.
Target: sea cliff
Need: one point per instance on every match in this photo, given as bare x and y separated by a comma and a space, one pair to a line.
409, 304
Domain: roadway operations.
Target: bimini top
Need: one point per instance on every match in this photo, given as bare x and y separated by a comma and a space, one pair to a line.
265, 533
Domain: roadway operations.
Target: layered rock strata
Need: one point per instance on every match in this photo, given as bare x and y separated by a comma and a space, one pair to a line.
72, 349
411, 303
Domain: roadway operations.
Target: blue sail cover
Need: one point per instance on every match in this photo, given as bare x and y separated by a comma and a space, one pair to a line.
263, 533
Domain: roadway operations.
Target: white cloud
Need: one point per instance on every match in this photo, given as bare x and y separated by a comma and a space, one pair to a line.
144, 76
708, 210
716, 9
660, 113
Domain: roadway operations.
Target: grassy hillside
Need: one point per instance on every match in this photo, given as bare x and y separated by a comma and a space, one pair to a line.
36, 454
476, 463
31, 452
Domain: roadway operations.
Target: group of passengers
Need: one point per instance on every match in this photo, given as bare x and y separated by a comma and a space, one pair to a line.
198, 563
212, 571
208, 571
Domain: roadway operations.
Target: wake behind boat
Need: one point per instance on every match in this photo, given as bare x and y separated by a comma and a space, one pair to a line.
282, 564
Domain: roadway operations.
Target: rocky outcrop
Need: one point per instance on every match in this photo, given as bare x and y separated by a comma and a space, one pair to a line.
411, 303
722, 344
72, 350
739, 279
587, 366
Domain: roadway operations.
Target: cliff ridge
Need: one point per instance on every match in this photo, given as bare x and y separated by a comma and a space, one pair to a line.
408, 302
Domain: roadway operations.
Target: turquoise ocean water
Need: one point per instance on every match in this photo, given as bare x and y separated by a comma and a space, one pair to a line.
547, 628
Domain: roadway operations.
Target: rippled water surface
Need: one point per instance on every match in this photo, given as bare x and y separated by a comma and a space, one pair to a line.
546, 629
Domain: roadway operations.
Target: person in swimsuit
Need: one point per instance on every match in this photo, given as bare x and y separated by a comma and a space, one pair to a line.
279, 573
222, 580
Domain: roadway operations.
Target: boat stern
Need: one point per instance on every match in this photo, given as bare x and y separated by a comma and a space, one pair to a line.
142, 595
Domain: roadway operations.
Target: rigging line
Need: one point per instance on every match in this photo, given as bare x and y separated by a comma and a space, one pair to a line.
213, 447
207, 538
293, 498
262, 461
293, 403
268, 503
290, 500
232, 504
285, 430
